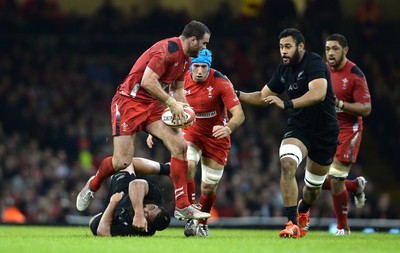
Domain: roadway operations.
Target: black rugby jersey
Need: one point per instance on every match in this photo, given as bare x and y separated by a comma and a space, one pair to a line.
294, 80
123, 213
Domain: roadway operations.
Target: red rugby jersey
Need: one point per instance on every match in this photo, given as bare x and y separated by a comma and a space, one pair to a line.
166, 58
350, 85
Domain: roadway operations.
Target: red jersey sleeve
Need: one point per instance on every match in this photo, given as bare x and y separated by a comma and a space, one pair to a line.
228, 94
360, 90
168, 61
158, 59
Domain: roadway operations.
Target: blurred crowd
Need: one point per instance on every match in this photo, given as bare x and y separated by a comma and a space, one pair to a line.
60, 70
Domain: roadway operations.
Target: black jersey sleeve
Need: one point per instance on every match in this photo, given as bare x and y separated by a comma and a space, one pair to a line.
154, 195
316, 68
275, 84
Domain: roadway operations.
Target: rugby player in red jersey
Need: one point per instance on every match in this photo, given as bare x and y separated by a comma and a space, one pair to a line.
211, 95
138, 105
353, 102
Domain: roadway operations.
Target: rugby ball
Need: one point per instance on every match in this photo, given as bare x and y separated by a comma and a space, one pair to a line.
166, 117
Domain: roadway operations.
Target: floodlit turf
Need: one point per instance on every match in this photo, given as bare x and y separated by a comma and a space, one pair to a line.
20, 239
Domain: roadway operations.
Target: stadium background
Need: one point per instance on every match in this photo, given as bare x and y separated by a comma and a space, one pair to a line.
62, 60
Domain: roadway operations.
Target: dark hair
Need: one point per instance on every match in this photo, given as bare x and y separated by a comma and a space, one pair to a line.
195, 28
296, 35
339, 38
161, 221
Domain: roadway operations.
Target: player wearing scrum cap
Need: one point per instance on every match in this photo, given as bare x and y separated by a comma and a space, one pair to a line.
211, 95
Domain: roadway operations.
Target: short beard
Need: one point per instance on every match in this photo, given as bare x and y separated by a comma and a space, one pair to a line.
295, 59
338, 62
192, 53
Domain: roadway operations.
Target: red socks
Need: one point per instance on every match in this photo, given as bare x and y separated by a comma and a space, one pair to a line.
105, 171
206, 203
327, 184
351, 186
178, 174
340, 203
191, 191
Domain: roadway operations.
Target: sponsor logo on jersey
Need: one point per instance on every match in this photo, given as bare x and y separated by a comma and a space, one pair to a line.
205, 115
293, 86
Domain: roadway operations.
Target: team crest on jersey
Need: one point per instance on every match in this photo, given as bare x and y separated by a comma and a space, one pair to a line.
124, 127
210, 89
344, 83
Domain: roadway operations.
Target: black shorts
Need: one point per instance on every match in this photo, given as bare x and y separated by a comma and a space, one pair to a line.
321, 145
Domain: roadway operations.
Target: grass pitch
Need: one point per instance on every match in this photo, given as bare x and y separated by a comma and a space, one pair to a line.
43, 239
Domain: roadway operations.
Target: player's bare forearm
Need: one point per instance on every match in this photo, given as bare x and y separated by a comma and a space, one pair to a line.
138, 189
357, 108
178, 91
150, 82
237, 117
252, 98
180, 95
107, 218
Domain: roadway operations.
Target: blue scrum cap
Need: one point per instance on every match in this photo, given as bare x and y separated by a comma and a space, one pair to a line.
205, 56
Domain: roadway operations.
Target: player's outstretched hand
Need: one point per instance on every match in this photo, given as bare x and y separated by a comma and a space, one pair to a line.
274, 100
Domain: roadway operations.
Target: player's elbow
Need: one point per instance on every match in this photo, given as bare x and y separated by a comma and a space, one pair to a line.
145, 84
242, 119
365, 114
103, 231
318, 98
366, 110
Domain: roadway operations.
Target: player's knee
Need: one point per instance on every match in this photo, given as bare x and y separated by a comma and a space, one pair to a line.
290, 158
293, 153
208, 189
178, 147
121, 163
313, 181
288, 167
338, 173
210, 176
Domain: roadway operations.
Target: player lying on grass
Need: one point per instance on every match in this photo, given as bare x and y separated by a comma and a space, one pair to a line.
134, 208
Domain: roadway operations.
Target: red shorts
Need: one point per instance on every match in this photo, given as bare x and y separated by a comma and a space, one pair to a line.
128, 116
349, 145
216, 149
